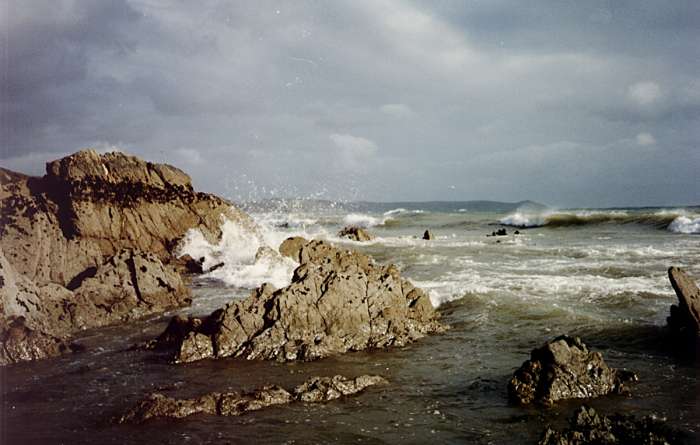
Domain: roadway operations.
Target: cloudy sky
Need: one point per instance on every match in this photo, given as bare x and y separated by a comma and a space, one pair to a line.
570, 103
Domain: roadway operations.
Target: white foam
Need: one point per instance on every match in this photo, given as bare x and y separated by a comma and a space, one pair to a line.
363, 220
685, 224
237, 250
519, 219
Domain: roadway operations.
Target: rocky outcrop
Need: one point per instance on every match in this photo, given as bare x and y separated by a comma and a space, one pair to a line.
562, 369
355, 233
428, 235
89, 206
38, 320
338, 301
91, 243
314, 390
587, 427
685, 317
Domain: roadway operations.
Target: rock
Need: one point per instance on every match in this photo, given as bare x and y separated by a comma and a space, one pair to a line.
499, 232
562, 369
684, 318
89, 206
428, 235
324, 389
89, 243
355, 233
338, 301
314, 390
291, 247
128, 285
588, 427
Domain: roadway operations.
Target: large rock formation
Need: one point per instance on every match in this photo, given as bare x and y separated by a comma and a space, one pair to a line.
338, 301
89, 206
89, 244
564, 368
38, 319
684, 318
587, 427
314, 390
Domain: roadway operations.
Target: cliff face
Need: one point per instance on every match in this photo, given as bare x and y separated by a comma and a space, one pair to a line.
76, 234
89, 206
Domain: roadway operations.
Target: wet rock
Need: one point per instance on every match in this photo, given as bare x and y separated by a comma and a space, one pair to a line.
314, 390
355, 233
291, 247
588, 427
89, 242
562, 369
428, 235
685, 317
324, 389
338, 301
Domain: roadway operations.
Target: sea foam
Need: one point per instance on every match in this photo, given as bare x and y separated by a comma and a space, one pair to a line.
685, 224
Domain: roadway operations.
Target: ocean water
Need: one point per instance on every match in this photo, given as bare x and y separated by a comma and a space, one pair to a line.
596, 273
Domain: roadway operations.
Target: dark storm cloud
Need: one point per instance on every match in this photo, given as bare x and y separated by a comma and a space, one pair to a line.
570, 103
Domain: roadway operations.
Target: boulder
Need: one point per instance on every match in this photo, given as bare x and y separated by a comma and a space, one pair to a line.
314, 390
355, 233
587, 427
564, 368
428, 235
685, 317
338, 301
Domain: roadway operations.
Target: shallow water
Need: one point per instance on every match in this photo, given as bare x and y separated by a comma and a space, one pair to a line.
605, 282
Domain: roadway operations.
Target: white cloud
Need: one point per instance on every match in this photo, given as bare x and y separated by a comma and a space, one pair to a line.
645, 139
355, 151
397, 110
644, 93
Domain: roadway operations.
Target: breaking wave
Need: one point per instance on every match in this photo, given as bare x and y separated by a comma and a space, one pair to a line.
674, 221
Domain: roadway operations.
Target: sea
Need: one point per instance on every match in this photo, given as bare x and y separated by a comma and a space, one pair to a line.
600, 274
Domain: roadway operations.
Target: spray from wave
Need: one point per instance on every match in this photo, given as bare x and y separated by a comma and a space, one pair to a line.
243, 257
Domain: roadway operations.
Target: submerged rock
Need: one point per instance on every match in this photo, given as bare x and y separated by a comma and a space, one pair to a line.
355, 233
428, 235
314, 390
685, 317
338, 301
89, 244
562, 369
587, 427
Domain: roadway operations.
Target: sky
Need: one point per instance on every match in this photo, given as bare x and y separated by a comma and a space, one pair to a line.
568, 103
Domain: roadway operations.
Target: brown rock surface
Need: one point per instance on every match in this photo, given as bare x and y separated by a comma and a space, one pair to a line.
685, 318
85, 245
562, 369
338, 301
316, 389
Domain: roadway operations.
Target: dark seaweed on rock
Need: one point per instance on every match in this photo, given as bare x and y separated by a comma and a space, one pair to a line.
338, 301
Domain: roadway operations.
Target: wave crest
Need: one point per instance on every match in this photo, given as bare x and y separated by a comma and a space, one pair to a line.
674, 221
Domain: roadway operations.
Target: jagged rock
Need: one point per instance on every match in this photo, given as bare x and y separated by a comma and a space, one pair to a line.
316, 389
74, 238
428, 235
685, 318
564, 368
587, 427
355, 233
338, 301
36, 321
89, 206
